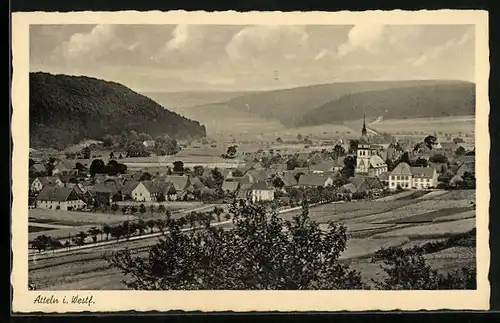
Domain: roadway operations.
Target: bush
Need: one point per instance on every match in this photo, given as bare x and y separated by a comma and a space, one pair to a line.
406, 269
262, 252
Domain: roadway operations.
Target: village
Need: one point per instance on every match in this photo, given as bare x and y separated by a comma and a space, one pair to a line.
63, 188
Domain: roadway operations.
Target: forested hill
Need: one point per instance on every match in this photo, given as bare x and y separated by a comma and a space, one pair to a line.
437, 100
67, 109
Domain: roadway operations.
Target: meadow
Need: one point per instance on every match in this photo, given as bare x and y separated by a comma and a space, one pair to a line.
367, 227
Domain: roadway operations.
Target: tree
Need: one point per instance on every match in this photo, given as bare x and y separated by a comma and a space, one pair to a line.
438, 158
111, 155
458, 140
161, 208
145, 177
237, 173
151, 224
97, 167
86, 152
141, 226
292, 163
198, 171
218, 211
114, 168
279, 140
420, 162
299, 137
460, 151
93, 232
142, 209
353, 146
406, 269
106, 229
278, 182
107, 141
160, 224
231, 151
79, 239
178, 167
338, 151
349, 168
124, 210
218, 177
133, 209
430, 141
152, 209
262, 252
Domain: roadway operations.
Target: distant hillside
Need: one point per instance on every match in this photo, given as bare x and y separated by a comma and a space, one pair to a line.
438, 100
178, 100
67, 109
289, 105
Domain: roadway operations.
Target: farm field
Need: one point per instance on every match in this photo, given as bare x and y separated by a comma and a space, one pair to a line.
365, 229
454, 125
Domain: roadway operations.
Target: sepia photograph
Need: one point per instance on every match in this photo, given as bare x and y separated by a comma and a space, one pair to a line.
191, 156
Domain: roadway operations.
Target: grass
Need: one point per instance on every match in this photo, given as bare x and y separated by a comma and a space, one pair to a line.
431, 216
74, 218
413, 195
360, 248
38, 229
456, 216
433, 230
458, 195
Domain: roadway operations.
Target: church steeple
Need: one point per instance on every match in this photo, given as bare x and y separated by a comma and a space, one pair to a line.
363, 130
364, 133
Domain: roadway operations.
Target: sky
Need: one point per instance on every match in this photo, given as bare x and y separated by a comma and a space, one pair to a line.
173, 58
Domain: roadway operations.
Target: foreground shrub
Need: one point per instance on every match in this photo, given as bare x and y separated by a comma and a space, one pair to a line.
406, 269
262, 251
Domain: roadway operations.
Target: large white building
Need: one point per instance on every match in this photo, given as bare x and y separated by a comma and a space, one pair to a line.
261, 191
408, 177
367, 161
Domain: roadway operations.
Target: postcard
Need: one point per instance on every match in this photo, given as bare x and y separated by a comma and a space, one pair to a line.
258, 161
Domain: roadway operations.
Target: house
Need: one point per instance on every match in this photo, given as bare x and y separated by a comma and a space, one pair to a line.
449, 147
128, 188
262, 191
366, 183
64, 167
153, 191
315, 180
244, 191
326, 166
231, 187
181, 183
37, 169
455, 180
40, 182
59, 198
316, 158
347, 190
288, 178
302, 158
466, 167
107, 192
405, 176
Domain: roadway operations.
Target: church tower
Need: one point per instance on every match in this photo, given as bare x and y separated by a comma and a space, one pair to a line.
364, 152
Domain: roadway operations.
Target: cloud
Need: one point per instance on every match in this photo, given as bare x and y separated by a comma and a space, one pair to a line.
437, 51
180, 37
363, 37
90, 43
321, 54
272, 40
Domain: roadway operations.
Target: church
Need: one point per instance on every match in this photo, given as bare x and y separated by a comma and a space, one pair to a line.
368, 163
